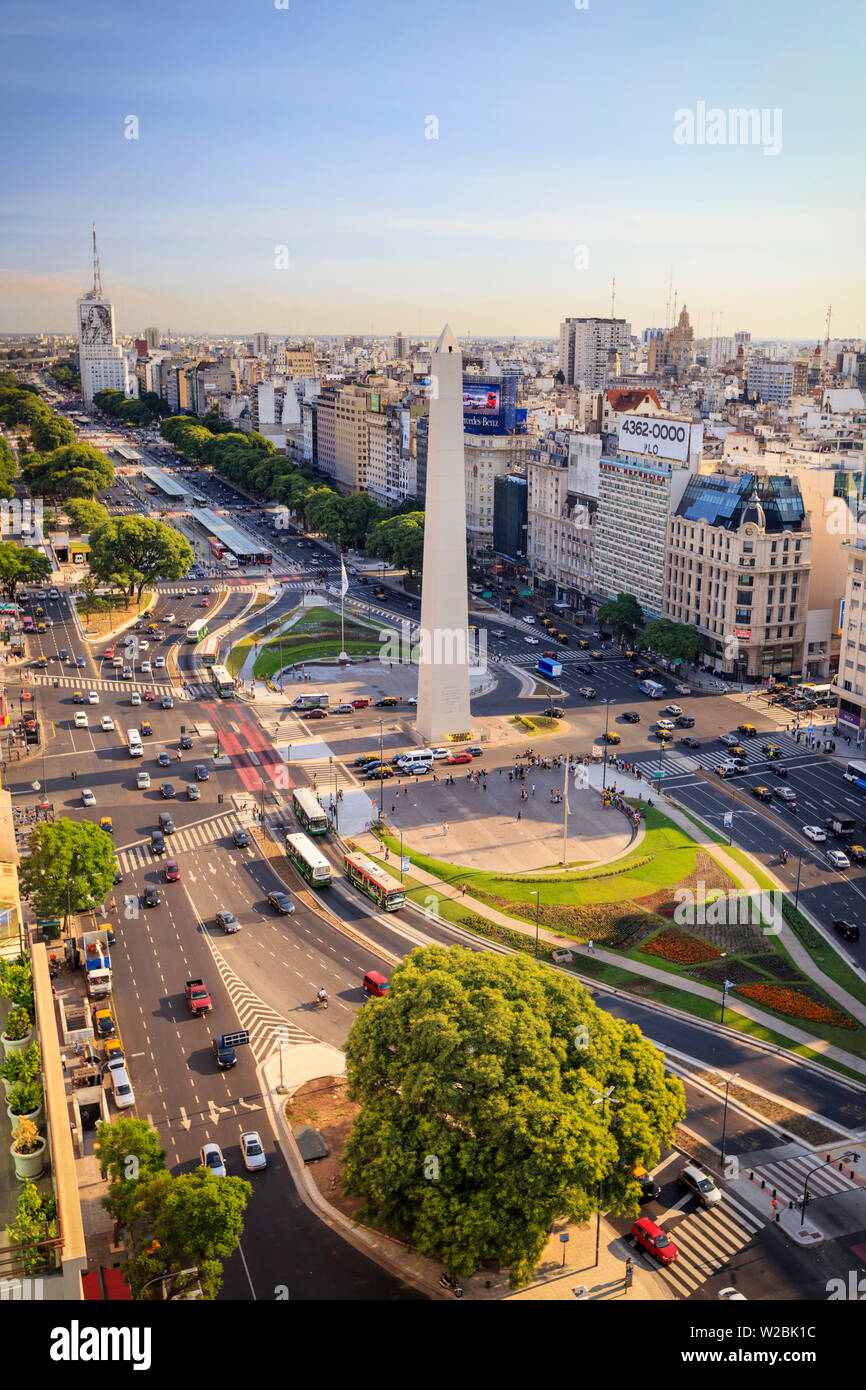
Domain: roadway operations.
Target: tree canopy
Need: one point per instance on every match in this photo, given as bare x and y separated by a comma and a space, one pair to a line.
133, 551
86, 514
70, 867
51, 433
672, 639
20, 565
129, 1153
624, 614
478, 1078
194, 1221
75, 470
399, 539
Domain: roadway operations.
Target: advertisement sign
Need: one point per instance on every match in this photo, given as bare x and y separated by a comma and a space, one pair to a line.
655, 437
375, 399
482, 399
744, 633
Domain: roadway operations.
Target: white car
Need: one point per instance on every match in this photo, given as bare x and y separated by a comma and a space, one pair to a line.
135, 698
252, 1152
144, 646
124, 1095
145, 667
80, 719
87, 797
814, 832
412, 700
142, 781
92, 697
529, 620
107, 724
212, 1159
159, 663
437, 754
533, 641
838, 859
169, 618
730, 739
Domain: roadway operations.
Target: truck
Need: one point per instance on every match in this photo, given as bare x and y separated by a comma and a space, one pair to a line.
840, 824
197, 998
97, 962
546, 666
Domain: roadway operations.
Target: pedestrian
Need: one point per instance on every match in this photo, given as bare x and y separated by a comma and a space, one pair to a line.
484, 784
405, 791
445, 828
519, 814
533, 789
393, 809
510, 775
464, 891
590, 945
499, 770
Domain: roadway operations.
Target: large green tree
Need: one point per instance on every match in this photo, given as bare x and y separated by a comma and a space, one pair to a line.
129, 1153
674, 640
86, 514
70, 867
624, 614
480, 1079
75, 470
21, 565
399, 539
51, 433
135, 550
194, 1221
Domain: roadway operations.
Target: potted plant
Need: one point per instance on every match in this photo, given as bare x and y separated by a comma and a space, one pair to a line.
19, 1028
16, 983
35, 1222
24, 1101
21, 1066
28, 1150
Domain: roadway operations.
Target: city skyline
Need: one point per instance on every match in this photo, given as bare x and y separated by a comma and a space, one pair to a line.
499, 184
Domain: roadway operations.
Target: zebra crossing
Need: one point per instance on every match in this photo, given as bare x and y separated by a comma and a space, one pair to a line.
85, 682
787, 1178
788, 747
326, 775
194, 837
268, 1029
706, 1241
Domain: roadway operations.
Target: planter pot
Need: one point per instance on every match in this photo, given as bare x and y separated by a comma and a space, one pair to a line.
7, 1085
37, 1116
29, 1165
16, 1044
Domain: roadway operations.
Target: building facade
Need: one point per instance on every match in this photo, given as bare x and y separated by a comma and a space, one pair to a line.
850, 683
510, 516
487, 457
584, 348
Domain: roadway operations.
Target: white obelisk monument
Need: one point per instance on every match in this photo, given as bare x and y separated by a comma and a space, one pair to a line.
443, 663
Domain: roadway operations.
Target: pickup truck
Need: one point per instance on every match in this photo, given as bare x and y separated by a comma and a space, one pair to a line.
197, 998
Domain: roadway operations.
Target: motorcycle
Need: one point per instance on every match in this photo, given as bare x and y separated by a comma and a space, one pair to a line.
322, 1003
446, 1282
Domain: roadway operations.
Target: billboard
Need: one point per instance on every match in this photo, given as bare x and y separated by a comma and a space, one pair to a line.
655, 436
375, 400
95, 325
480, 399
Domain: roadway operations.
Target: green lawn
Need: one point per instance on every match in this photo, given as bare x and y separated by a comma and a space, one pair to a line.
315, 636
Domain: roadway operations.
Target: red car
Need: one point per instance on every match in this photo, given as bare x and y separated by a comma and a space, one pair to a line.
149, 694
314, 714
553, 652
654, 1240
458, 758
375, 985
360, 703
108, 654
205, 603
171, 871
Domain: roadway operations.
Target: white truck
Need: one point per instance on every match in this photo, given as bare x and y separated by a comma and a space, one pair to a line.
97, 962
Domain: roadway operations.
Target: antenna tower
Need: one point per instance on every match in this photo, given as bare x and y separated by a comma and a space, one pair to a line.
97, 275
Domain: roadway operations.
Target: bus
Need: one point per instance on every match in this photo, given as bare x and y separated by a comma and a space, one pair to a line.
385, 891
308, 810
313, 700
856, 773
229, 561
197, 630
308, 861
263, 557
651, 688
209, 651
811, 691
223, 683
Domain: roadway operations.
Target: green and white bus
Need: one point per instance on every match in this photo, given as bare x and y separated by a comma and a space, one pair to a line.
308, 810
309, 861
385, 891
197, 630
223, 683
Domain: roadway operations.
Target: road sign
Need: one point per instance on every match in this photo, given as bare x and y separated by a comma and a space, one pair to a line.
239, 1039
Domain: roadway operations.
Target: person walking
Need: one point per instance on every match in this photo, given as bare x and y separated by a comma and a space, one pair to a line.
445, 828
590, 945
519, 814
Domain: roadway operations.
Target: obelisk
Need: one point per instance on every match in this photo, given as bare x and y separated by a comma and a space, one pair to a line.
443, 661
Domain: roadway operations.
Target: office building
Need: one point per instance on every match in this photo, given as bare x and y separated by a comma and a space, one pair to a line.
584, 345
260, 344
510, 516
151, 337
850, 684
101, 359
776, 381
486, 458
563, 487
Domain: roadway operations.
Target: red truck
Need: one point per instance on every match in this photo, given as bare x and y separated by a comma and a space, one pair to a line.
197, 998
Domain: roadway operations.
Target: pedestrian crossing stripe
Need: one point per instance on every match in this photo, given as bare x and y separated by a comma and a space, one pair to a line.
99, 683
193, 837
706, 1241
787, 1178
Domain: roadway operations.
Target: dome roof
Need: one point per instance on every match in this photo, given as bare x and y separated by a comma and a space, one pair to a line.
753, 512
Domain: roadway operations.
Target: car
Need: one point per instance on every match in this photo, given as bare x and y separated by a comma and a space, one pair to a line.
228, 921
365, 758
281, 902
587, 692
385, 701
167, 702
171, 871
135, 698
206, 589
377, 772
106, 824
584, 668
64, 655
104, 1023
78, 697
169, 618
533, 641
777, 770
149, 694
42, 664
87, 797
80, 719
241, 839
476, 750
79, 661
672, 709
107, 724
191, 593
700, 1184
788, 796
212, 1158
205, 603
145, 728
499, 632
252, 1152
814, 832
163, 759
124, 1095
146, 668
150, 896
314, 713
685, 721
630, 716
654, 1241
52, 593
167, 790
193, 792
649, 1188
454, 758
857, 853
201, 772
690, 742
849, 931
142, 781
771, 750
730, 739
762, 793
838, 859
612, 737
159, 664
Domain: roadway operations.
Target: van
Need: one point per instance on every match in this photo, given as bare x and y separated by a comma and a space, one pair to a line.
134, 744
117, 662
124, 1096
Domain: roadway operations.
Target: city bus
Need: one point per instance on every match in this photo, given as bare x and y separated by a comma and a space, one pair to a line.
308, 861
385, 891
811, 691
308, 810
209, 651
651, 688
197, 630
223, 683
856, 773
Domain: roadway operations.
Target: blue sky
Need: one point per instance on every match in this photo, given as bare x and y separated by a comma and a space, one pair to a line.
305, 127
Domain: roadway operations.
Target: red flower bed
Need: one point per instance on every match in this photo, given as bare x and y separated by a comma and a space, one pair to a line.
677, 946
791, 1001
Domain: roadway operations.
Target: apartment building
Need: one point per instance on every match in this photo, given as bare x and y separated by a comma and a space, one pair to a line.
737, 567
295, 362
562, 474
850, 684
584, 348
487, 457
776, 381
510, 516
325, 456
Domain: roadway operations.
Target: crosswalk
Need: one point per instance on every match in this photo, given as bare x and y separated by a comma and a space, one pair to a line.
194, 837
706, 1241
85, 682
787, 1177
326, 775
789, 748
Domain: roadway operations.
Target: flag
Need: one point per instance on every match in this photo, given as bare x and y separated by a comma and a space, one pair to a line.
344, 586
729, 984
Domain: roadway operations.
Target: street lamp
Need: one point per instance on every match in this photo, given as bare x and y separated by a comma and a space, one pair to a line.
607, 705
850, 1157
723, 956
797, 889
725, 1117
536, 894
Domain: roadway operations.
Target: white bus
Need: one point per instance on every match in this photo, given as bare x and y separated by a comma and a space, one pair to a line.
309, 861
652, 688
856, 773
133, 743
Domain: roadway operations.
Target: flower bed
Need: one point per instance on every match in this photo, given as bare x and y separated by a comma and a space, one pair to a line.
680, 948
791, 1001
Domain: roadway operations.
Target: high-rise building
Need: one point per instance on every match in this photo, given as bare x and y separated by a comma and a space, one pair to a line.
260, 344
151, 337
771, 381
584, 345
562, 471
487, 457
850, 684
101, 359
510, 516
399, 345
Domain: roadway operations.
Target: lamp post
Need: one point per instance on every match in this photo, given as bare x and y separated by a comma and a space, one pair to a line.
536, 894
850, 1157
725, 1118
601, 1098
607, 705
401, 856
797, 889
723, 956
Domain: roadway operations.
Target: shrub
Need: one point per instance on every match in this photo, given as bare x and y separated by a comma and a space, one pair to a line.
791, 1001
22, 1066
35, 1222
16, 983
25, 1097
26, 1137
18, 1025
